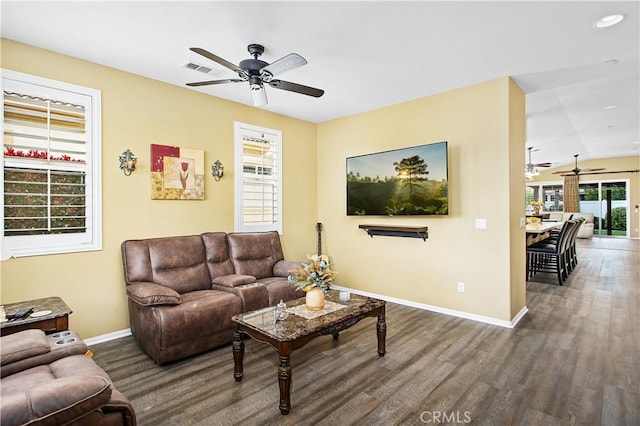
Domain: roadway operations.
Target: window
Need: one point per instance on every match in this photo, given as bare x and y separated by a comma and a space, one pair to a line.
259, 187
550, 194
608, 202
51, 167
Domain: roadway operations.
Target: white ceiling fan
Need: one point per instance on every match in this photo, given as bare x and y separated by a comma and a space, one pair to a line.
531, 169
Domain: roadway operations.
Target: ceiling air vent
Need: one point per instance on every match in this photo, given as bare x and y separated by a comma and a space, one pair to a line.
205, 70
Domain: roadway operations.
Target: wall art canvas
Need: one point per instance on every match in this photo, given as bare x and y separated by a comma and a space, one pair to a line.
177, 173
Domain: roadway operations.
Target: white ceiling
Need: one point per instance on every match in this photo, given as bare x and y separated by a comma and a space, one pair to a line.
367, 55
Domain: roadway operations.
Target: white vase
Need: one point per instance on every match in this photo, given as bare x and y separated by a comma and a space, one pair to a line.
315, 299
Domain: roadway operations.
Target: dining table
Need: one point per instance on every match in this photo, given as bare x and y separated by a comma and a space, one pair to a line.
539, 230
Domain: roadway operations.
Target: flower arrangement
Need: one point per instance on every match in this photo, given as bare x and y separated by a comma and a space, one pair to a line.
32, 153
538, 204
314, 273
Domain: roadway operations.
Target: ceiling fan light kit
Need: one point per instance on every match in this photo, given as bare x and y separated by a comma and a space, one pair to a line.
258, 93
257, 72
531, 169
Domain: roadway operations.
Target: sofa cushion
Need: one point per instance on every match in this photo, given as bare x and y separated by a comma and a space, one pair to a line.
150, 294
555, 217
18, 346
217, 252
280, 288
179, 263
234, 280
255, 253
55, 402
284, 268
587, 216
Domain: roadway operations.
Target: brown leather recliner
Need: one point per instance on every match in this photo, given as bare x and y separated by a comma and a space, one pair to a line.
184, 290
50, 380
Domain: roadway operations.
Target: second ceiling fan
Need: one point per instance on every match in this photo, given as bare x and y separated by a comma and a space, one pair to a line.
257, 72
576, 170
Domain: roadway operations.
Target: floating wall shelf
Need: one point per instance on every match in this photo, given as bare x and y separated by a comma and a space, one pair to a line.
396, 231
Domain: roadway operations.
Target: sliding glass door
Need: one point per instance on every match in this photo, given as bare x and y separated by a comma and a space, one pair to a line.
606, 200
614, 209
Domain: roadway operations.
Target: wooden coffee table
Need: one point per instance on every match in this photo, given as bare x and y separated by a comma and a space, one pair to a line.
296, 331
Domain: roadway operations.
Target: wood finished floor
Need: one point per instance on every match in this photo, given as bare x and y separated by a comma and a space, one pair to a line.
574, 359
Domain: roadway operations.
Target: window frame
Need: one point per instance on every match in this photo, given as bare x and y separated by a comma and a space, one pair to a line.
240, 130
91, 239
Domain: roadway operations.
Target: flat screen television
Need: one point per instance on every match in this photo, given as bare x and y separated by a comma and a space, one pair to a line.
400, 182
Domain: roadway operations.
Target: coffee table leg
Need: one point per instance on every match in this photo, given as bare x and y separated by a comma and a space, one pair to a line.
238, 355
381, 328
284, 380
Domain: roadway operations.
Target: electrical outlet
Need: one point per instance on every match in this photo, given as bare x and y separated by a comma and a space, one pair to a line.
461, 287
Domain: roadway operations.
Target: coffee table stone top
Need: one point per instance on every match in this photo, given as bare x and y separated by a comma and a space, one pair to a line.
295, 326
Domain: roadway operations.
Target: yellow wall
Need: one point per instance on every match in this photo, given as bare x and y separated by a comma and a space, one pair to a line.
517, 118
610, 165
137, 112
486, 181
484, 125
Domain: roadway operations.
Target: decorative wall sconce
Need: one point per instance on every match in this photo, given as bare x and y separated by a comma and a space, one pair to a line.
127, 162
217, 170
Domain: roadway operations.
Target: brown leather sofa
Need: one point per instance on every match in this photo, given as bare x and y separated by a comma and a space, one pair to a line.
182, 291
49, 380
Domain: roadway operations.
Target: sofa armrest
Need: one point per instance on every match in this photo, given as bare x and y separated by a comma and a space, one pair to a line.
60, 401
283, 268
151, 294
120, 404
25, 344
233, 280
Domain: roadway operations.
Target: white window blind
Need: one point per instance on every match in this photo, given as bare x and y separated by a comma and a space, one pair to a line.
258, 186
50, 167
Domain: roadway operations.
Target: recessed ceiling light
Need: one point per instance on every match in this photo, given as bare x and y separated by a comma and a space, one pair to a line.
609, 21
611, 61
608, 107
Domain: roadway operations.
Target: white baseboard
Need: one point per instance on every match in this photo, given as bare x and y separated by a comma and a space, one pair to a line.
480, 318
108, 337
440, 310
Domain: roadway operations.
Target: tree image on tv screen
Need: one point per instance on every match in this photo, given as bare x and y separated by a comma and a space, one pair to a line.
408, 192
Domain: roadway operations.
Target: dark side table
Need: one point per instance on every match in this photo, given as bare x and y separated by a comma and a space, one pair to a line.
57, 320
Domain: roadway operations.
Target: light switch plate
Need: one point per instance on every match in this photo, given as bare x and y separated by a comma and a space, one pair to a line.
481, 223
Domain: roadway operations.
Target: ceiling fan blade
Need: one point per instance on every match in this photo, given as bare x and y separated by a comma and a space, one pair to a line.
284, 64
562, 171
592, 170
298, 88
208, 83
219, 60
542, 165
612, 172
